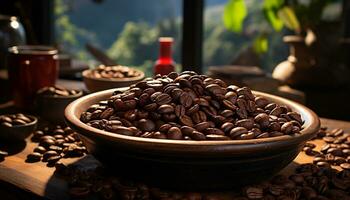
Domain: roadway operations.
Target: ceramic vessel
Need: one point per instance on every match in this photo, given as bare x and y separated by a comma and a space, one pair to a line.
51, 108
300, 64
191, 164
18, 132
98, 84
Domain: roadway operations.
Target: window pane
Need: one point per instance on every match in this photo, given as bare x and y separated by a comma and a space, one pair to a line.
127, 30
222, 47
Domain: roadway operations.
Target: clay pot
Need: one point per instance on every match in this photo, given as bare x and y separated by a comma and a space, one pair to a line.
300, 65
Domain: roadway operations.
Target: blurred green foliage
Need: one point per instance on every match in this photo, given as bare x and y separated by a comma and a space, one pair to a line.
137, 42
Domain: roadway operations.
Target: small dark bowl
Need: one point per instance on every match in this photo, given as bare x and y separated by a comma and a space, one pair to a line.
51, 108
99, 84
19, 132
192, 164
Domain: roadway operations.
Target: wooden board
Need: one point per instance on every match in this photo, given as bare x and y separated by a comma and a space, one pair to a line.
40, 180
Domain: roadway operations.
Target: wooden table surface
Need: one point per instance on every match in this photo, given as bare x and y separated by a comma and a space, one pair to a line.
41, 180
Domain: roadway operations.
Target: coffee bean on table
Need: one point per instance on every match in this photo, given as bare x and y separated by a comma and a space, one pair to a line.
40, 149
328, 139
34, 157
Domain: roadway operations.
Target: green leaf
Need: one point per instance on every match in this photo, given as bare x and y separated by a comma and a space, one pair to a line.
235, 12
287, 15
270, 9
260, 44
273, 3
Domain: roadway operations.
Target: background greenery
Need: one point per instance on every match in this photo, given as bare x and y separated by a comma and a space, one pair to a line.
128, 31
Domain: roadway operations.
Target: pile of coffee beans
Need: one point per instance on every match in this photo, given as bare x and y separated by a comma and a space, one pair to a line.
114, 72
54, 144
189, 106
14, 120
57, 91
335, 152
308, 182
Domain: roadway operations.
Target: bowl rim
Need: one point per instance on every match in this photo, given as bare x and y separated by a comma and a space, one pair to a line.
309, 130
35, 120
137, 78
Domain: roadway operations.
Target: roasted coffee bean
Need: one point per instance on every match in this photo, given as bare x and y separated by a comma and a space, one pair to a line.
335, 151
227, 127
263, 120
246, 123
14, 120
196, 135
216, 137
237, 131
247, 136
186, 120
275, 126
163, 99
227, 113
174, 133
213, 131
120, 130
261, 102
53, 159
199, 117
107, 113
49, 154
287, 128
34, 157
146, 125
40, 149
328, 139
192, 110
164, 127
187, 130
165, 108
186, 100
55, 148
47, 142
263, 135
202, 126
345, 166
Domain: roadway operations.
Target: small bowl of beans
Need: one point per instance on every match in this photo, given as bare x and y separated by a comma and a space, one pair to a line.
108, 77
192, 131
51, 102
15, 127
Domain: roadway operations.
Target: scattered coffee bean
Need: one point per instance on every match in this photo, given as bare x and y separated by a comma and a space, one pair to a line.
54, 143
34, 157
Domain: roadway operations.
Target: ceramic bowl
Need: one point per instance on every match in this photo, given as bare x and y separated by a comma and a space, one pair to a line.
192, 164
18, 132
51, 108
98, 84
